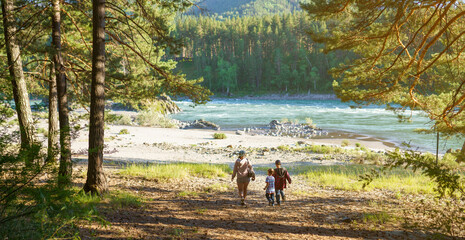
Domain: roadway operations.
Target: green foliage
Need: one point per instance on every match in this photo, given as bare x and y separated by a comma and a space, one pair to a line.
42, 131
309, 122
364, 156
347, 177
345, 143
123, 131
152, 118
223, 9
417, 64
117, 119
252, 54
284, 148
378, 217
136, 68
219, 136
449, 180
51, 212
169, 172
358, 145
122, 199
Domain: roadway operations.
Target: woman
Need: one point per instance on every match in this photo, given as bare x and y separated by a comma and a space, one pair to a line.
244, 170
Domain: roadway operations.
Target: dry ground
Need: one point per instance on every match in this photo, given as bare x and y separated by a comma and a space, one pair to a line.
209, 209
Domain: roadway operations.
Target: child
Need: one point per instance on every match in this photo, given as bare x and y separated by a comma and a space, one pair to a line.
270, 187
280, 175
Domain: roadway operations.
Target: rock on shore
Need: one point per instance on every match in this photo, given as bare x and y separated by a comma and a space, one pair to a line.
198, 124
287, 129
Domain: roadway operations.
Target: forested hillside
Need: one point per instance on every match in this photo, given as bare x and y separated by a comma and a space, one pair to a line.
260, 54
239, 8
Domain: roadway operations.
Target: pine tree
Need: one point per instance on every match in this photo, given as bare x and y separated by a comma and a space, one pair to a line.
409, 52
18, 82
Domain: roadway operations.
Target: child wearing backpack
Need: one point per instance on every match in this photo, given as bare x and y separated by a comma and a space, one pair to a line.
281, 176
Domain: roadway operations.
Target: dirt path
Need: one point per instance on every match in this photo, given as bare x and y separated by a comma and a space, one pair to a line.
209, 209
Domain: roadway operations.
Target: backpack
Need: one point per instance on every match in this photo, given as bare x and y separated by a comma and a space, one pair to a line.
250, 174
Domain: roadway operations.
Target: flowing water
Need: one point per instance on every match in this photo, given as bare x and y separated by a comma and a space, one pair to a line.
330, 115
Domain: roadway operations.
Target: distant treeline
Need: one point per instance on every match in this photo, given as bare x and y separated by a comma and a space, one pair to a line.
240, 8
256, 54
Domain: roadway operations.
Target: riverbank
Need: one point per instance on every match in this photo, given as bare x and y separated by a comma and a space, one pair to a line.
276, 96
151, 144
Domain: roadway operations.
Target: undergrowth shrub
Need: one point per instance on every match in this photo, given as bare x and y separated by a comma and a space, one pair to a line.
446, 212
219, 136
345, 143
31, 209
118, 119
151, 118
123, 131
32, 205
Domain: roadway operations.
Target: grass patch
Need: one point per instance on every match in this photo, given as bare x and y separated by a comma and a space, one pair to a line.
167, 172
217, 187
346, 177
361, 155
345, 143
123, 131
219, 136
187, 194
284, 148
201, 211
42, 131
177, 232
379, 217
309, 122
122, 199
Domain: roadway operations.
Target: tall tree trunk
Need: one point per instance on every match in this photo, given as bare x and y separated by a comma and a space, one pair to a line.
65, 169
18, 81
96, 181
52, 150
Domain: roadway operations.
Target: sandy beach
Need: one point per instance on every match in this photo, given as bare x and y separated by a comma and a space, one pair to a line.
151, 144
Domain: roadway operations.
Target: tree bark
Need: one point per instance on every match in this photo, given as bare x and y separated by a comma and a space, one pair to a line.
21, 96
65, 169
52, 149
96, 181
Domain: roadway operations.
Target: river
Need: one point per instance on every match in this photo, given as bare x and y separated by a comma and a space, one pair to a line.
330, 115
